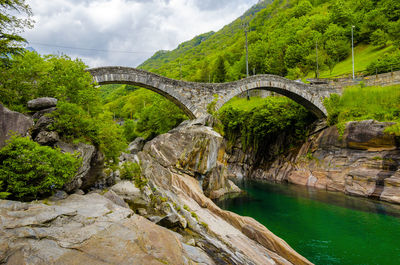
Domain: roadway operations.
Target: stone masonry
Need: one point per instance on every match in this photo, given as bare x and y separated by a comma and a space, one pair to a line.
193, 98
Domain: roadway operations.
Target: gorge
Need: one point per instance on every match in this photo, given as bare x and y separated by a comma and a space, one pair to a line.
180, 168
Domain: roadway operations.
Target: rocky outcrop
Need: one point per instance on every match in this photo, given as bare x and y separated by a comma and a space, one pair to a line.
137, 145
362, 162
87, 229
181, 224
13, 122
42, 103
176, 165
91, 169
196, 150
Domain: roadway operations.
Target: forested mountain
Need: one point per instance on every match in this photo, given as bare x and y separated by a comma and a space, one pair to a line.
283, 35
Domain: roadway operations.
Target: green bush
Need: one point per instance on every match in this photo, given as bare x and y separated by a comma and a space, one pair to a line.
75, 124
72, 122
385, 64
133, 171
30, 171
31, 75
259, 121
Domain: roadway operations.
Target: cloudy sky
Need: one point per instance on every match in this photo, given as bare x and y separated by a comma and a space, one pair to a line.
124, 32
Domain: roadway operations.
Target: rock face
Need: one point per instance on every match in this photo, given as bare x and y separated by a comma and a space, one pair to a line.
42, 103
88, 230
137, 145
177, 165
363, 162
196, 150
11, 121
91, 168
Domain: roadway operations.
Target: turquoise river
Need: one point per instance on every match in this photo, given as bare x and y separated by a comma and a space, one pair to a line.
325, 227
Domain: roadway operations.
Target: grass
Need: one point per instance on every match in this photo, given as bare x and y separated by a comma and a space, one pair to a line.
363, 56
243, 103
364, 103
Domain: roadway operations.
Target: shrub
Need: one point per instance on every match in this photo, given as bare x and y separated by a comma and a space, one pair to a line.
72, 122
258, 124
29, 170
75, 124
384, 64
133, 171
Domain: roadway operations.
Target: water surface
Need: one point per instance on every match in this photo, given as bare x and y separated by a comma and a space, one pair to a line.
325, 227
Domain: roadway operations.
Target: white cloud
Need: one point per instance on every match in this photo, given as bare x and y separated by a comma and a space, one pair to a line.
142, 26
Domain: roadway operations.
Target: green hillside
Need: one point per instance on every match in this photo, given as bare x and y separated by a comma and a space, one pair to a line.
282, 40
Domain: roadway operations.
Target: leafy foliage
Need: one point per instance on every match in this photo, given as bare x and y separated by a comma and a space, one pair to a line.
265, 120
79, 115
73, 123
363, 103
145, 113
133, 171
282, 40
11, 25
30, 171
31, 75
387, 63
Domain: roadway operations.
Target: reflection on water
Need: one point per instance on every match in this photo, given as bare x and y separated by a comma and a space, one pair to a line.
326, 227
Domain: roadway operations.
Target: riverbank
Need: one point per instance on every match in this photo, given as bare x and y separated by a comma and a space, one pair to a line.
364, 161
326, 227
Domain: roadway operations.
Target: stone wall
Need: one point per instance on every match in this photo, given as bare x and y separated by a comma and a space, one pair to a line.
385, 79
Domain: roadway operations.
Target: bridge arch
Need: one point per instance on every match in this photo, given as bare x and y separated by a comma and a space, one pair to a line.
132, 76
311, 97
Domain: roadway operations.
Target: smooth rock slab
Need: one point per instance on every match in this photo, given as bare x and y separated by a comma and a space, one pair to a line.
42, 103
88, 230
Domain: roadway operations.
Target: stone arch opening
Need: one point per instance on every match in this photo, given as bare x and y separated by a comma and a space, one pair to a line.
143, 79
187, 111
298, 92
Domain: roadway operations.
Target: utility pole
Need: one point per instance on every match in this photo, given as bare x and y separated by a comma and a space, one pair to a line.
316, 51
352, 48
247, 62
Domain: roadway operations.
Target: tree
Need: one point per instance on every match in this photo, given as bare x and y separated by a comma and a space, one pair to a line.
220, 70
31, 75
11, 26
379, 38
394, 32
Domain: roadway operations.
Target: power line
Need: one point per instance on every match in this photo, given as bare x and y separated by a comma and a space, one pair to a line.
85, 49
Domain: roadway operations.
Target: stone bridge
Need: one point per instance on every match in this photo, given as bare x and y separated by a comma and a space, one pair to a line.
193, 98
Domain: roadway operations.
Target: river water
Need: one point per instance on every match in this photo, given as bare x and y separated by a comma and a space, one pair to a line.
325, 227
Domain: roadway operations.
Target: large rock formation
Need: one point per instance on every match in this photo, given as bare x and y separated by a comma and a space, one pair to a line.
91, 170
13, 122
196, 150
177, 164
362, 162
102, 229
